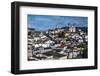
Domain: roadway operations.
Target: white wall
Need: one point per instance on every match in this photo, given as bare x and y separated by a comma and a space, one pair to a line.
5, 27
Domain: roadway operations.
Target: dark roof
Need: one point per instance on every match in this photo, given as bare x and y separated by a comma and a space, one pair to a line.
39, 57
57, 49
54, 54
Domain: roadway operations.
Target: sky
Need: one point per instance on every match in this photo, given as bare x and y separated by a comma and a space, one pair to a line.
45, 22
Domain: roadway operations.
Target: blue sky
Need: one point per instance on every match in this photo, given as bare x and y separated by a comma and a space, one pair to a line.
45, 22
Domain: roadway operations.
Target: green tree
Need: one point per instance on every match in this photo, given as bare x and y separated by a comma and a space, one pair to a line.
85, 53
62, 34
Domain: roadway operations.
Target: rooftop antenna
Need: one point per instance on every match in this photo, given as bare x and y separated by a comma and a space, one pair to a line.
69, 24
56, 27
66, 25
78, 24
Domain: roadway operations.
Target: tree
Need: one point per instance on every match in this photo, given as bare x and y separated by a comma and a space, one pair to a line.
82, 45
85, 53
62, 34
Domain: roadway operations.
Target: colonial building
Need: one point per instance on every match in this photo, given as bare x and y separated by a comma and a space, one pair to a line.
72, 29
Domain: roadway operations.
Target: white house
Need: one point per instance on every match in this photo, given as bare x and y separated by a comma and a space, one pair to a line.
43, 36
36, 38
80, 40
45, 45
49, 42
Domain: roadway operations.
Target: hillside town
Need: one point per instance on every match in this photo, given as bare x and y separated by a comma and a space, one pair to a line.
68, 42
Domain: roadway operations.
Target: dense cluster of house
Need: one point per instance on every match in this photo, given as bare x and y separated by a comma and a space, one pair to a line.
58, 43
